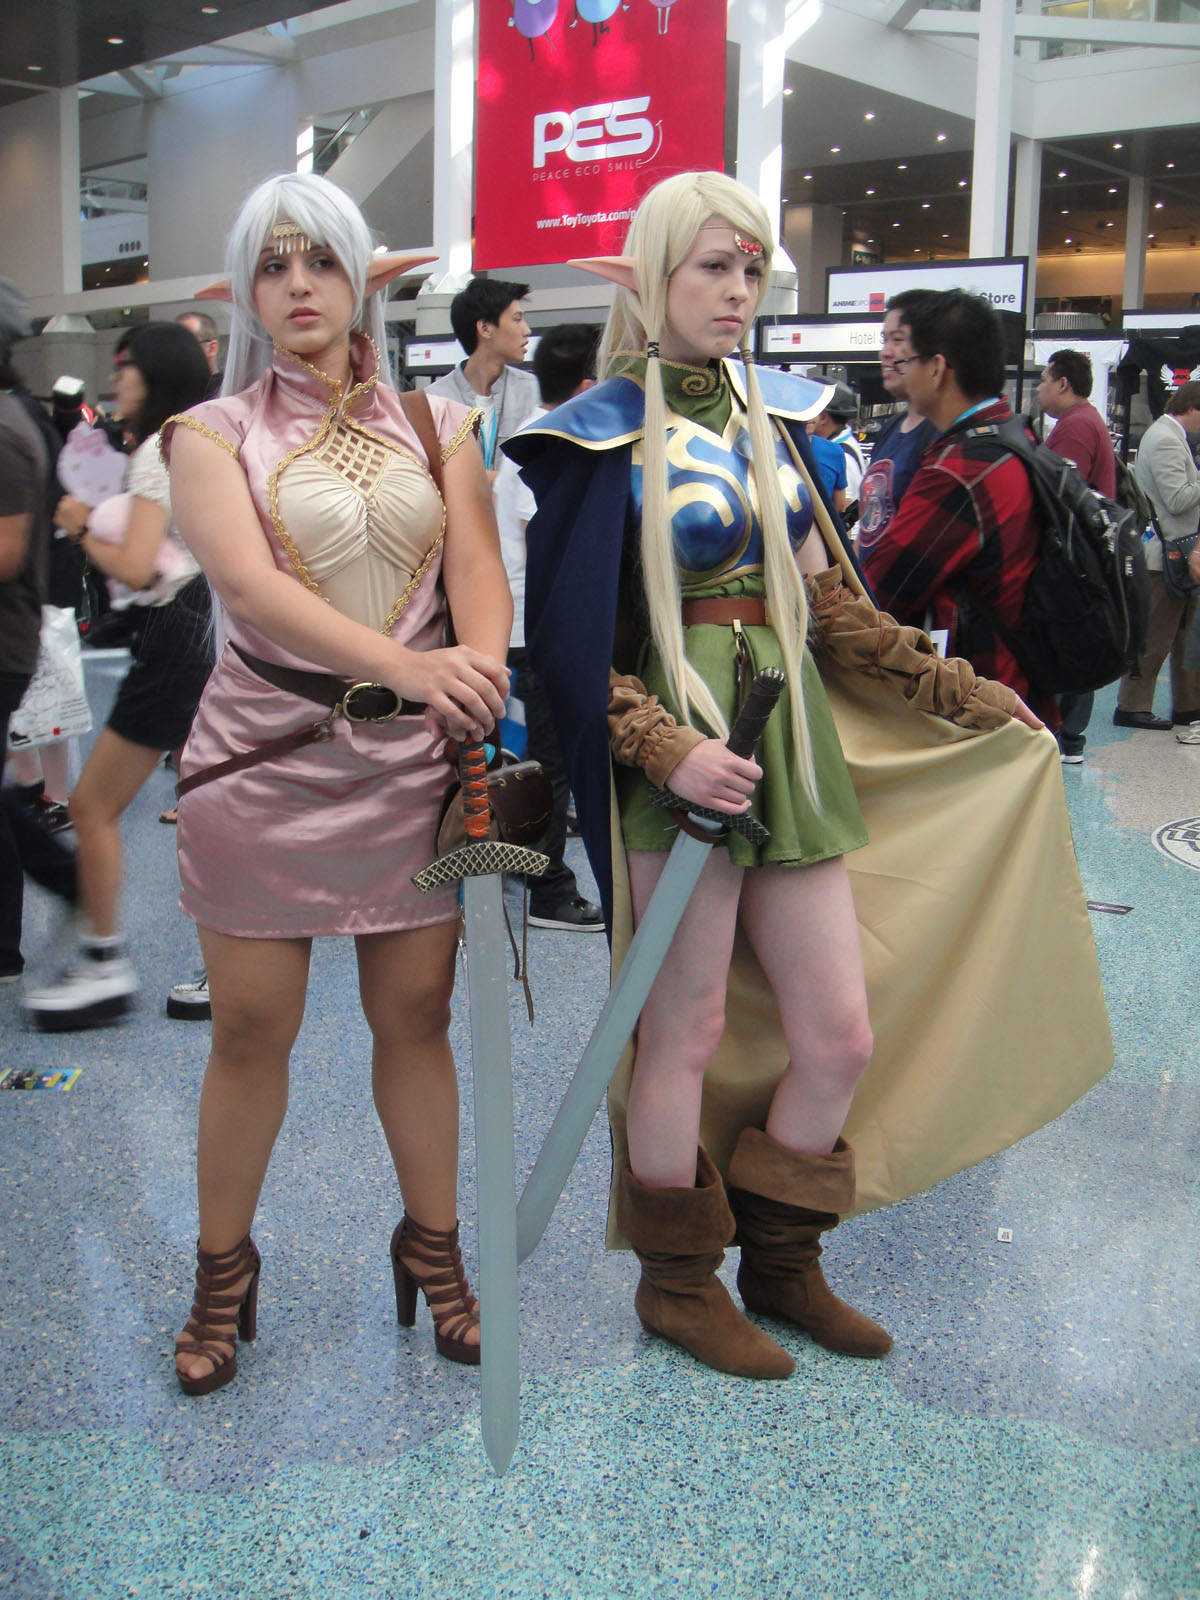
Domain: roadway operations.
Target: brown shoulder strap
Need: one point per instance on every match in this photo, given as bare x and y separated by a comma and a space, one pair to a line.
420, 413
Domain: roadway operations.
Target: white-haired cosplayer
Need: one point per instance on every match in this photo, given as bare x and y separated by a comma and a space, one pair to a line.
680, 545
312, 783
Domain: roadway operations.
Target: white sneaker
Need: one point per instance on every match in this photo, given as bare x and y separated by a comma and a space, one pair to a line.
97, 987
1190, 735
189, 1002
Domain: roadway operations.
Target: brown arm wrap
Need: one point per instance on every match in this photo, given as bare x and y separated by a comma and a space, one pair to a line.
854, 634
642, 732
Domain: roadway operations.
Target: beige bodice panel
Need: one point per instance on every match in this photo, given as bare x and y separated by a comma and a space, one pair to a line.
362, 518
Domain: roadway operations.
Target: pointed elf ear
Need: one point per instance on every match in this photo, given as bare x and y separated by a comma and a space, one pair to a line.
221, 290
382, 269
620, 270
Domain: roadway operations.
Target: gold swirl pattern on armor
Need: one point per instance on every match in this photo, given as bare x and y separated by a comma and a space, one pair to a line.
197, 426
731, 506
703, 381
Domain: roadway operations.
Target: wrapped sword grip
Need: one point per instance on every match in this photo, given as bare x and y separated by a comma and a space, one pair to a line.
472, 772
768, 685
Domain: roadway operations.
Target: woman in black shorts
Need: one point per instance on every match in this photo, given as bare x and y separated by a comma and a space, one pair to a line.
160, 370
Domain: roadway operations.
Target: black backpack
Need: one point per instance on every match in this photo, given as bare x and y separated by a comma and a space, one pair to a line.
1086, 610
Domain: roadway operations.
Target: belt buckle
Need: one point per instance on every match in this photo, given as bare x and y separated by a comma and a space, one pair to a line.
351, 715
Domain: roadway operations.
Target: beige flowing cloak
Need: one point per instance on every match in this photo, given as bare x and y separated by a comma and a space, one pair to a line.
982, 976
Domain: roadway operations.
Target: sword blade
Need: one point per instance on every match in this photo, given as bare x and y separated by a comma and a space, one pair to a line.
496, 1185
616, 1023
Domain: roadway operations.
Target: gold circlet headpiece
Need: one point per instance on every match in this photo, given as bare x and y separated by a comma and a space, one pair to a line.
288, 238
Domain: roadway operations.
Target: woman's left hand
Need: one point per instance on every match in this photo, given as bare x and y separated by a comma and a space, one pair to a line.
71, 515
1022, 713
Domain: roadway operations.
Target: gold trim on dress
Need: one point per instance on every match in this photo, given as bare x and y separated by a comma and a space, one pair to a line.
470, 425
198, 427
356, 391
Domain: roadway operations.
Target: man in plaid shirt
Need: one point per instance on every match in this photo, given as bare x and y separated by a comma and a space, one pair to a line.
966, 525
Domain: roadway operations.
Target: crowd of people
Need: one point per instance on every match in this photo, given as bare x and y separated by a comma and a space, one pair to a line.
621, 538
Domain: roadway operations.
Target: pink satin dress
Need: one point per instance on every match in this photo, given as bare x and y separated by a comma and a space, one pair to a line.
324, 840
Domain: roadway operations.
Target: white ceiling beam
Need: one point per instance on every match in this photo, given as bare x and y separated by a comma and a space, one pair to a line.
1064, 30
141, 82
899, 13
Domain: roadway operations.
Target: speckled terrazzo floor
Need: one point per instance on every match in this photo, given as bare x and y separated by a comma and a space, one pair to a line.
1035, 1434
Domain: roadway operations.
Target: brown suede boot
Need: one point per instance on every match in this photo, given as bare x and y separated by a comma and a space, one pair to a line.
679, 1236
783, 1202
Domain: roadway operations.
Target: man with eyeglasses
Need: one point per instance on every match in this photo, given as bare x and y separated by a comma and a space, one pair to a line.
961, 549
898, 450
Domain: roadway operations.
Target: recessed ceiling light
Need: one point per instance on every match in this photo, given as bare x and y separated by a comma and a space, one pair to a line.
1118, 145
902, 166
895, 224
870, 241
870, 191
1062, 174
1064, 213
962, 183
209, 11
1158, 205
917, 251
787, 89
835, 149
114, 40
1170, 164
868, 116
808, 177
32, 68
1109, 224
941, 138
1149, 236
1113, 190
945, 236
924, 205
1068, 241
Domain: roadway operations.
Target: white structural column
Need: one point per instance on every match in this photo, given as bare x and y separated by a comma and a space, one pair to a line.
68, 191
1026, 206
993, 126
453, 140
1137, 223
764, 42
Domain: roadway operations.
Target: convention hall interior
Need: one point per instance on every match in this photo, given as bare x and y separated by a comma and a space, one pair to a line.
1034, 1433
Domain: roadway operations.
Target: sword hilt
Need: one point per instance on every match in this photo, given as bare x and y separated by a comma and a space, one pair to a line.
472, 772
748, 727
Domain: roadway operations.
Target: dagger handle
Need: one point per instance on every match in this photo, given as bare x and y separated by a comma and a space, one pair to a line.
768, 685
472, 772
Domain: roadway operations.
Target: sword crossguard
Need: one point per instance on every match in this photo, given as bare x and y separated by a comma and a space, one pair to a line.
480, 858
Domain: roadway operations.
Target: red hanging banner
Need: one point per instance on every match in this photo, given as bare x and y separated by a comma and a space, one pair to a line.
581, 106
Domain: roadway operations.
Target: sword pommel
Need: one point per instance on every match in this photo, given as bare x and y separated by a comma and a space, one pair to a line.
768, 685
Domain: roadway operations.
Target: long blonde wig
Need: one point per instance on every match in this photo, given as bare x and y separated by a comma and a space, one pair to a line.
661, 236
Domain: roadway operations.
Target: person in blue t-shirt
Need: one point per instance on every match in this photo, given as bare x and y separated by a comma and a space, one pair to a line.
898, 451
831, 462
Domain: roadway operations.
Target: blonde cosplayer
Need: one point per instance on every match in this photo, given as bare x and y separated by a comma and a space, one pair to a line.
660, 237
321, 215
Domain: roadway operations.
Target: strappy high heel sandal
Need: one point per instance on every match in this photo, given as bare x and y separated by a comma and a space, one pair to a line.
430, 1261
220, 1316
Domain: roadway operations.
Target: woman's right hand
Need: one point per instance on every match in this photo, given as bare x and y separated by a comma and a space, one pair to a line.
711, 775
464, 689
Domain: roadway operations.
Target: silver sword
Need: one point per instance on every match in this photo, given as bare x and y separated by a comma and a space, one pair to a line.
479, 864
638, 971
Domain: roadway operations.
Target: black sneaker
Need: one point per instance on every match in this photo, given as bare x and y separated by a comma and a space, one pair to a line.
575, 915
188, 1001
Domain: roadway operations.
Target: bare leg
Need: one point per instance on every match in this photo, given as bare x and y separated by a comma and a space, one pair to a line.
258, 988
115, 771
406, 980
54, 771
682, 1021
801, 924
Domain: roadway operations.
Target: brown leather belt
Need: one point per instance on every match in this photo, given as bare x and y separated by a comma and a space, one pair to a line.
357, 702
726, 610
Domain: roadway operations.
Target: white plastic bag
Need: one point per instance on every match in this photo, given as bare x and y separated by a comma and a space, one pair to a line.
55, 705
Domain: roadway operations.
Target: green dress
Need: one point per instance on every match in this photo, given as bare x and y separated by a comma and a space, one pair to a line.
707, 433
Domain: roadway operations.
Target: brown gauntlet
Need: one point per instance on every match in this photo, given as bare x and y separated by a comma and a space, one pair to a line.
854, 634
642, 732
